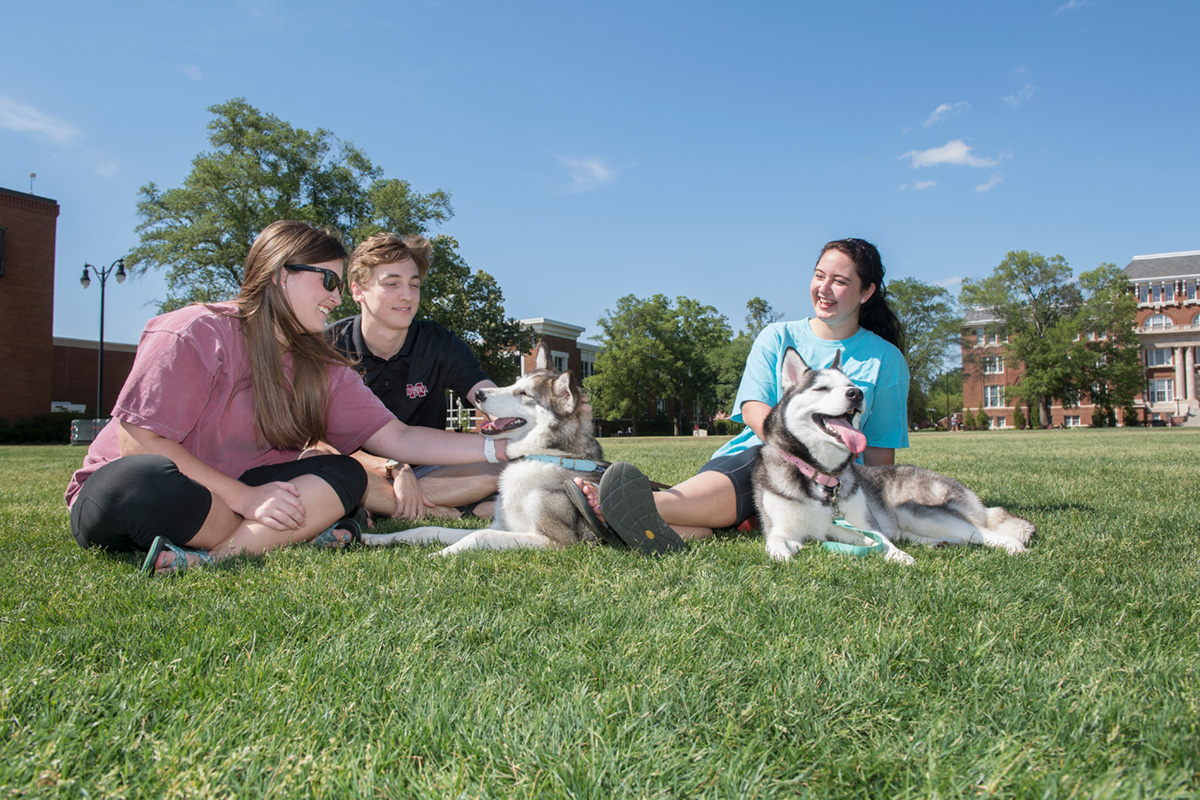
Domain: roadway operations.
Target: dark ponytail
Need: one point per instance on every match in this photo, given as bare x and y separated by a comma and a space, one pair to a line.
875, 315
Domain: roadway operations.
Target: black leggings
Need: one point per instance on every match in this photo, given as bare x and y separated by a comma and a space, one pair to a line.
124, 504
739, 468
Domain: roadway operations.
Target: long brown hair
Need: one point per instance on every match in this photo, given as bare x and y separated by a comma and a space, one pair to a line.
288, 415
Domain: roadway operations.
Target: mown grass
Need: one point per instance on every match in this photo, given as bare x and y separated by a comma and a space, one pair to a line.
1071, 671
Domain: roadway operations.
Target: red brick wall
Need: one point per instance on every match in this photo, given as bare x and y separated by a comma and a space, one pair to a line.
27, 304
74, 374
568, 346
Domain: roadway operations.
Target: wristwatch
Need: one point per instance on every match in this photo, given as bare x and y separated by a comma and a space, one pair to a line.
389, 466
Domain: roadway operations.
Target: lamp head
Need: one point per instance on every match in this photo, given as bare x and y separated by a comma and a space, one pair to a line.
85, 281
120, 270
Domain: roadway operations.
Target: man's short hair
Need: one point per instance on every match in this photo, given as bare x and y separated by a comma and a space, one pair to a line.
389, 248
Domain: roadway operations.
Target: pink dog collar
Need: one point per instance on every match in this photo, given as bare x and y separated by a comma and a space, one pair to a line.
811, 472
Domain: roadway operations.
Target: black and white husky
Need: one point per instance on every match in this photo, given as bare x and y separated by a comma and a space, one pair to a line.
806, 474
549, 441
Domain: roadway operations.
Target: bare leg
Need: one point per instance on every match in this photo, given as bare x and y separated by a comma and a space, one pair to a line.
460, 485
225, 533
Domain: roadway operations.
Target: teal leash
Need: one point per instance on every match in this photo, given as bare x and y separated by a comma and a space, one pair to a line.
857, 551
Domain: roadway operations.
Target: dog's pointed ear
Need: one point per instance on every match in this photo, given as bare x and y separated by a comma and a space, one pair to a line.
837, 361
794, 368
564, 392
541, 359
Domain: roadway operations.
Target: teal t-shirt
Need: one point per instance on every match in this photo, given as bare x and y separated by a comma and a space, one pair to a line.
875, 365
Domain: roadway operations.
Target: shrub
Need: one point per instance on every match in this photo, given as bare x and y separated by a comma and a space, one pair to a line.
52, 428
1018, 418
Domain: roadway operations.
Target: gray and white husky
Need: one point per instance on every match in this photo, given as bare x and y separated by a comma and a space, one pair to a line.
549, 442
806, 473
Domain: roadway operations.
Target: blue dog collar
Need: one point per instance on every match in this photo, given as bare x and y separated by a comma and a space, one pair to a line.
577, 464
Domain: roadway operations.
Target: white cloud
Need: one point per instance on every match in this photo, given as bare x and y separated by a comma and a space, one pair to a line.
956, 152
949, 282
946, 110
106, 169
921, 186
26, 119
1071, 5
193, 72
1020, 97
995, 179
587, 173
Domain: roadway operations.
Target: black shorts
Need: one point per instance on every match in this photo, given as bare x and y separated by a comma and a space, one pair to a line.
739, 468
124, 504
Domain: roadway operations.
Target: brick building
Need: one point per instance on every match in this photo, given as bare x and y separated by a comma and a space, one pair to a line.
1167, 286
1168, 325
28, 227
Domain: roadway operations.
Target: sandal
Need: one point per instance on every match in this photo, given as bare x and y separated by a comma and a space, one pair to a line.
468, 511
181, 564
601, 531
628, 505
353, 523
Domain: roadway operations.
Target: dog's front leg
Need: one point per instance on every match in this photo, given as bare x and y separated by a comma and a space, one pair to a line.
426, 535
491, 539
860, 514
781, 547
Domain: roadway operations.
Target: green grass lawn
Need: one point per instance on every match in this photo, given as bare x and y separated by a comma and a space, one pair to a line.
1070, 671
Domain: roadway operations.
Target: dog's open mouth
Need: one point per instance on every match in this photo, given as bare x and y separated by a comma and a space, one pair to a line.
841, 429
501, 425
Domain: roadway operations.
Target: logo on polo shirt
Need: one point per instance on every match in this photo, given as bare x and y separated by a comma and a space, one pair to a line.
416, 390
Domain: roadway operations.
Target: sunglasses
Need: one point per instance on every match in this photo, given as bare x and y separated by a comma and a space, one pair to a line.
329, 279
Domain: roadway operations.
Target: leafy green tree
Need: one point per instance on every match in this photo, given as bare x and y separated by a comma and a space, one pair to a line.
1106, 352
729, 359
932, 325
261, 169
468, 303
946, 395
655, 349
759, 315
1038, 303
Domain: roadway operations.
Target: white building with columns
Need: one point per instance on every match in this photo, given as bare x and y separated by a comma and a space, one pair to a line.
1167, 286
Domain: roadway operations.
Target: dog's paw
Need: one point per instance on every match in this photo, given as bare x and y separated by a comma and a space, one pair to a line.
782, 549
898, 556
1009, 525
1011, 546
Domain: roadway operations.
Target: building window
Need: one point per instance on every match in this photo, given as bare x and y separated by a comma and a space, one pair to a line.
1158, 356
1143, 293
993, 397
559, 360
997, 423
589, 363
993, 365
1196, 320
1189, 289
1071, 421
1161, 390
1158, 322
660, 406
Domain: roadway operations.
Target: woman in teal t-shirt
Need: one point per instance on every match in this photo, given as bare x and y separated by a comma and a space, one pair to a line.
850, 314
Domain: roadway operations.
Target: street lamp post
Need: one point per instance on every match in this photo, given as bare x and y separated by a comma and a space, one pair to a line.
102, 273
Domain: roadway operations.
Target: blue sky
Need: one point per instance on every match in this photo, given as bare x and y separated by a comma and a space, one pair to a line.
594, 150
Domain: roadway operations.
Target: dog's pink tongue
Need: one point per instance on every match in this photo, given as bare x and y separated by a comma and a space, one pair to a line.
851, 437
498, 425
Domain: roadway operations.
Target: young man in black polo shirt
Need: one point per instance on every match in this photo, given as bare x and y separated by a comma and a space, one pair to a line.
409, 364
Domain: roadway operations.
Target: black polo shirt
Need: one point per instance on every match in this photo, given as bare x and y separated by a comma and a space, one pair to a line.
413, 383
